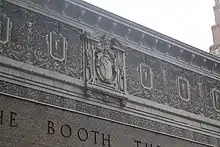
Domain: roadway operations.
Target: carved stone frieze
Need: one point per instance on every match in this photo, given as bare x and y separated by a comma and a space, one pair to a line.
172, 86
105, 65
47, 43
52, 99
41, 41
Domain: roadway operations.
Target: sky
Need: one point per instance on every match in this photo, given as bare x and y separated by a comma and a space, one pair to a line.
189, 21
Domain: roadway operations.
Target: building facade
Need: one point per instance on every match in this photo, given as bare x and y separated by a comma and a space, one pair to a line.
215, 48
74, 75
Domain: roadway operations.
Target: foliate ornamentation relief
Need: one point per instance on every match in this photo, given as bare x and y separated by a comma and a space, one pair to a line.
41, 41
105, 65
172, 86
184, 89
216, 99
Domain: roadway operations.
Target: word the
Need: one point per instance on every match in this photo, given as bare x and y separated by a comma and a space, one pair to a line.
138, 143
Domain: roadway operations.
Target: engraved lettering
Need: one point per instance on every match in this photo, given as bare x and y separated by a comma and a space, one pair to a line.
137, 143
105, 140
95, 136
68, 129
50, 127
150, 145
80, 133
12, 119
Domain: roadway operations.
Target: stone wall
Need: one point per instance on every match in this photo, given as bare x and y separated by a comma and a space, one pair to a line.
47, 61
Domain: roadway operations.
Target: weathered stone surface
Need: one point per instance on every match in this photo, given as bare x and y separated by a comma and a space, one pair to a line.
47, 98
42, 42
98, 59
167, 80
50, 44
32, 124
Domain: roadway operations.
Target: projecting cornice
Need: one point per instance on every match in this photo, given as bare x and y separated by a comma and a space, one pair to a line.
129, 32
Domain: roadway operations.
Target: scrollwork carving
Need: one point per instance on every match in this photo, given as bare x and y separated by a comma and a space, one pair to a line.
41, 41
173, 86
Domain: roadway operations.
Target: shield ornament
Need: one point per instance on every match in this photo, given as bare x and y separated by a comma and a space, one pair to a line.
57, 46
5, 29
105, 68
105, 64
216, 99
184, 89
146, 76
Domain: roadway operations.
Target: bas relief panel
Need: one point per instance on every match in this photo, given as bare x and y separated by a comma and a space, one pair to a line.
171, 85
105, 64
105, 68
43, 42
40, 41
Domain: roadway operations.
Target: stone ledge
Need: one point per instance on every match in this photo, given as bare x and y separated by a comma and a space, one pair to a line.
135, 104
136, 112
125, 119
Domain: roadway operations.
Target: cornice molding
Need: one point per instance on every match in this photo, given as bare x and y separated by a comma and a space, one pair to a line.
208, 68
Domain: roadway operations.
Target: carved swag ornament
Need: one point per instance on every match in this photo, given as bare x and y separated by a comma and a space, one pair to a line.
105, 66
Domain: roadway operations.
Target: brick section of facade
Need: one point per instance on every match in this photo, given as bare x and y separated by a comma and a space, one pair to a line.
215, 49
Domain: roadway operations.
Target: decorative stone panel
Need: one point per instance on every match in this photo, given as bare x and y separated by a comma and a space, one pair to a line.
171, 85
105, 66
38, 40
50, 44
